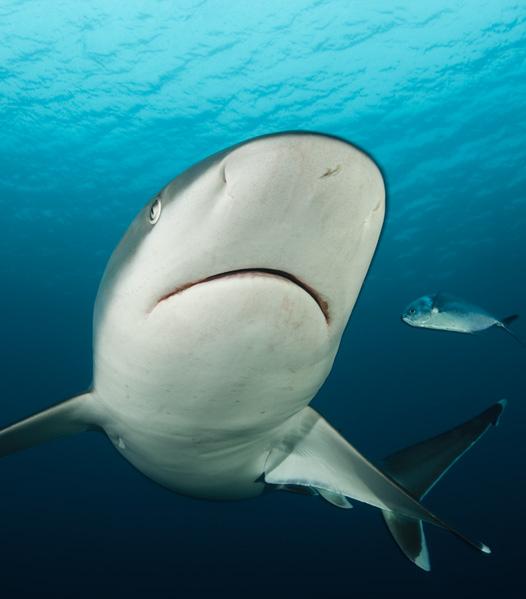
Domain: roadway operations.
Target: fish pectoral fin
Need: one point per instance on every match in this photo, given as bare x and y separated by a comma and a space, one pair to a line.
314, 454
75, 415
435, 306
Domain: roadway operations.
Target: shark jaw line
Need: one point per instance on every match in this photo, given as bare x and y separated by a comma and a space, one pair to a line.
322, 304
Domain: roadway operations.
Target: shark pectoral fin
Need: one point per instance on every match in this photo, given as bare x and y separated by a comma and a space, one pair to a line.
419, 467
314, 454
409, 535
75, 415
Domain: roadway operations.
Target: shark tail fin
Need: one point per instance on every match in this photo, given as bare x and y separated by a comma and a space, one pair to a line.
75, 415
419, 467
311, 453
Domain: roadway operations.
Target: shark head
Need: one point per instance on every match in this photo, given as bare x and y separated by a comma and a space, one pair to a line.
242, 271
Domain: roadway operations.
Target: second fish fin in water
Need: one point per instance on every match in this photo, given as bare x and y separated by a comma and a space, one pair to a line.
419, 467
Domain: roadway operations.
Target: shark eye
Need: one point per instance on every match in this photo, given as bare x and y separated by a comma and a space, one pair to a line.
155, 211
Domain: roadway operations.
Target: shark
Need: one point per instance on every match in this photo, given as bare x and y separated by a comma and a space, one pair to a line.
217, 320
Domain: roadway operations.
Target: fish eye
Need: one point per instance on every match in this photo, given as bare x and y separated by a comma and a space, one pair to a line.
412, 311
155, 211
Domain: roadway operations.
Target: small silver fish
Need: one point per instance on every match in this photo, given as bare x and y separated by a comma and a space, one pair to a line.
449, 313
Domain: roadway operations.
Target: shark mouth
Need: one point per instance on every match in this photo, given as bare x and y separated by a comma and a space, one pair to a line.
322, 304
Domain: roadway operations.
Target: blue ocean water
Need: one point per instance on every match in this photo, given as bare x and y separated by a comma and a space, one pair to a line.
102, 104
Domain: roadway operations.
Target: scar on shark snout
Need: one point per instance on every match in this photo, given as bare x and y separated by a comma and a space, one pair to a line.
331, 171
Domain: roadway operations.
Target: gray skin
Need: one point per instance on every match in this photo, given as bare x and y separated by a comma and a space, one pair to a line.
446, 312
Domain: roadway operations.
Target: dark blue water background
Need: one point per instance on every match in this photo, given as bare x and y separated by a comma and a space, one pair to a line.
101, 104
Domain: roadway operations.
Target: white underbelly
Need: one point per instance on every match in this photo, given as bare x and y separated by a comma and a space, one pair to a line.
194, 392
219, 463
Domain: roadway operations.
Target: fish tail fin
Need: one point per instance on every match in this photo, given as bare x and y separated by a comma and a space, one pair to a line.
75, 415
508, 320
419, 467
505, 323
